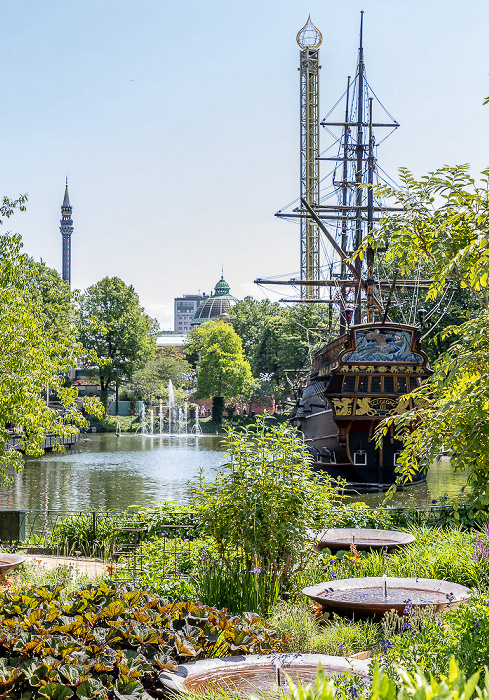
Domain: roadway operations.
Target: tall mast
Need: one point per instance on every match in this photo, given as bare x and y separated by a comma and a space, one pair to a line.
309, 39
359, 170
344, 202
355, 209
66, 230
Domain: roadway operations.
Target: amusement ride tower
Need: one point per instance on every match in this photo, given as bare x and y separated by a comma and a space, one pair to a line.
66, 229
309, 39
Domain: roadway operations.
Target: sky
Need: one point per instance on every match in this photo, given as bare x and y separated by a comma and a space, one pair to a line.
177, 125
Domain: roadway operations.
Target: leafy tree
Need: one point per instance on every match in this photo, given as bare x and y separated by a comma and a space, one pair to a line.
223, 372
446, 222
453, 307
115, 327
277, 338
150, 383
34, 353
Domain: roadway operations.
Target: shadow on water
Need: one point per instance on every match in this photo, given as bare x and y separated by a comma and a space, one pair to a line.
104, 472
441, 480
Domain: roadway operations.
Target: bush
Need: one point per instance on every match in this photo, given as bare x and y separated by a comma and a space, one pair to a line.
263, 501
94, 537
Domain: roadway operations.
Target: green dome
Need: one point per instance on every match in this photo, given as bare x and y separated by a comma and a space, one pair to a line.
212, 308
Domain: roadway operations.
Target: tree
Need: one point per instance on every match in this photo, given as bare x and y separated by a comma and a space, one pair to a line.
150, 383
115, 327
277, 338
223, 371
34, 353
445, 222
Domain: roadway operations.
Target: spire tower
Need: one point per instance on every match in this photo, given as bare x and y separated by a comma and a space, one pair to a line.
66, 229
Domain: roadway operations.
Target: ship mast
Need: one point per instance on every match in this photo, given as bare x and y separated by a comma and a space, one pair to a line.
355, 211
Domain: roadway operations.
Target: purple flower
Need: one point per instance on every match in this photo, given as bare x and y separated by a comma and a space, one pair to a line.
434, 501
255, 570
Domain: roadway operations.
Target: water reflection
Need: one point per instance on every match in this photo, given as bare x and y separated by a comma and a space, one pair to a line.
104, 472
441, 480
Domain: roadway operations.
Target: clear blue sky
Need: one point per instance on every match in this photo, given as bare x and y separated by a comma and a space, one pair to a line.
177, 124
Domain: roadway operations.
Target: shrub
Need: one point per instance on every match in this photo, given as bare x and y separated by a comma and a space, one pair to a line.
92, 533
263, 501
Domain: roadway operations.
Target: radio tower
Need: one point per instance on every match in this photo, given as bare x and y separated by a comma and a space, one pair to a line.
309, 39
66, 229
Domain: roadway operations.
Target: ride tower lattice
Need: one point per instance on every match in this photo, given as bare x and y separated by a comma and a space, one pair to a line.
309, 39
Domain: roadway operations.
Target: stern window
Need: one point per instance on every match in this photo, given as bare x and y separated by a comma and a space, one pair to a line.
401, 385
375, 385
349, 384
389, 385
362, 385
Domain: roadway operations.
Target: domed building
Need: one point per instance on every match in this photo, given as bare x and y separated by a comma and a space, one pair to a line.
215, 306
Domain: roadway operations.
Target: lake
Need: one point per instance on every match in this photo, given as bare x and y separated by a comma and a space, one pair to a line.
104, 472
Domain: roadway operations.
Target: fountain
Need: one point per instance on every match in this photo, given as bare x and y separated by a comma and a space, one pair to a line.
178, 419
171, 405
376, 595
143, 420
363, 538
197, 429
267, 673
9, 562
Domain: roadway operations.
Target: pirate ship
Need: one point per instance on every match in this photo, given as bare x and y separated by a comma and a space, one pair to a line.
368, 360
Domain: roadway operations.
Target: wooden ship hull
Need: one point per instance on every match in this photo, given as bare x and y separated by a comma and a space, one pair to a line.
355, 382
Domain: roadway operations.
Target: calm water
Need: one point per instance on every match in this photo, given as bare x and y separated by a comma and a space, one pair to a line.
104, 472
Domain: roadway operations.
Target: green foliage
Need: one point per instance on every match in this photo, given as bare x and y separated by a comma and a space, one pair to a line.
223, 371
422, 640
225, 580
336, 637
95, 538
266, 496
450, 410
277, 338
150, 383
108, 643
115, 327
263, 501
444, 225
36, 351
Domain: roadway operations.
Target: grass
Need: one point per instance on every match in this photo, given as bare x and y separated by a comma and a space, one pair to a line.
336, 637
436, 553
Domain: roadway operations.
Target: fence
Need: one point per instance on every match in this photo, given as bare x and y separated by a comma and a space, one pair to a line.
20, 525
